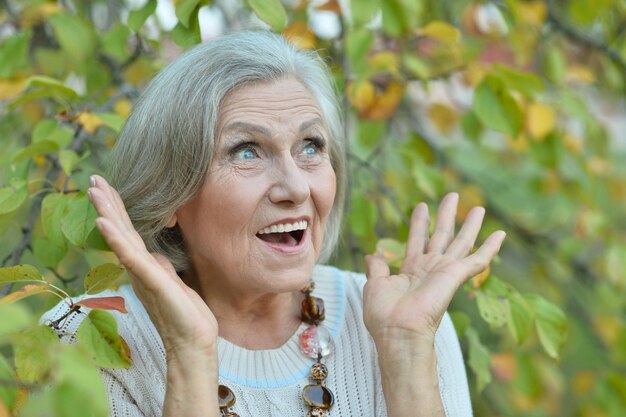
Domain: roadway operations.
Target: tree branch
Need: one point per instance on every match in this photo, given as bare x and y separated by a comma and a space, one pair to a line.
583, 39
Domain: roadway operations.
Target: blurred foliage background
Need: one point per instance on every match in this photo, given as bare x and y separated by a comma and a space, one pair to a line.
517, 105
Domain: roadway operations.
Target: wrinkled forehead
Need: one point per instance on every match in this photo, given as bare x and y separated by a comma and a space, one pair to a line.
270, 107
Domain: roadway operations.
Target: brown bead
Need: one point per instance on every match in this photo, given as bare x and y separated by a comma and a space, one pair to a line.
313, 311
308, 289
319, 371
318, 396
317, 412
225, 397
229, 414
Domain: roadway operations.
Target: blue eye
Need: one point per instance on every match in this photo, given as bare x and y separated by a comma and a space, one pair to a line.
247, 154
310, 149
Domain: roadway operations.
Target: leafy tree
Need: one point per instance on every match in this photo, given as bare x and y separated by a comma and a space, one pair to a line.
516, 104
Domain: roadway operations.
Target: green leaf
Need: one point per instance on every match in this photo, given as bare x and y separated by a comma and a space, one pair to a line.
52, 212
112, 120
7, 391
492, 300
185, 9
14, 54
461, 322
416, 66
47, 252
358, 44
115, 42
362, 216
50, 130
79, 220
98, 333
15, 318
34, 149
479, 358
68, 159
137, 18
496, 108
19, 273
52, 84
520, 317
32, 353
74, 35
363, 11
187, 37
471, 126
11, 198
551, 324
102, 277
81, 386
526, 83
271, 12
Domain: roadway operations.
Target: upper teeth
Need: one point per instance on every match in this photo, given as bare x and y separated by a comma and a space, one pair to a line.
289, 227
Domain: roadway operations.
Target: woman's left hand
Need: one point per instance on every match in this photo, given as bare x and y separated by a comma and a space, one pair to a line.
406, 309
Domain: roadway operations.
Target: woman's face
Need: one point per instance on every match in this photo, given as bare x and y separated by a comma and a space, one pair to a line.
257, 224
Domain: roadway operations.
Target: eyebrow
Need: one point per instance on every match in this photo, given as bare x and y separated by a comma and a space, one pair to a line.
260, 129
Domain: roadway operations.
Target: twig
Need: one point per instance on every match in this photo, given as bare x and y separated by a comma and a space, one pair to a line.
588, 41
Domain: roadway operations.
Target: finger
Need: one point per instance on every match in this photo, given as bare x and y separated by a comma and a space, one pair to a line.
106, 209
466, 238
137, 261
479, 260
376, 267
418, 232
444, 227
113, 198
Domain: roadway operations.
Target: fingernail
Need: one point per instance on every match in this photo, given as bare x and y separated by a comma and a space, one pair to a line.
92, 181
89, 194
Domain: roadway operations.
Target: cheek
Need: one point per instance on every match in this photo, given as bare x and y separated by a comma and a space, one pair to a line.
325, 189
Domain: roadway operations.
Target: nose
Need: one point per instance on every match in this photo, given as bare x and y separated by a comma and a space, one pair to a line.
289, 183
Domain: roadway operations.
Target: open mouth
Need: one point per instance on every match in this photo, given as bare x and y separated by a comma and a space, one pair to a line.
288, 235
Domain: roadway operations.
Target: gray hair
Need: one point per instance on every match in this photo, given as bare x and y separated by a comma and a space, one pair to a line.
164, 151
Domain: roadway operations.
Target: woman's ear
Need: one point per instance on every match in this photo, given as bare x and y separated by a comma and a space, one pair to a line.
172, 221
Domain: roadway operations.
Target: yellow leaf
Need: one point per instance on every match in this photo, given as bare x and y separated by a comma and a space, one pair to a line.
598, 166
299, 34
573, 143
532, 13
471, 196
441, 31
361, 95
34, 15
443, 117
385, 60
474, 73
583, 381
89, 121
11, 88
386, 102
540, 120
580, 74
25, 291
608, 327
519, 144
123, 107
504, 366
478, 280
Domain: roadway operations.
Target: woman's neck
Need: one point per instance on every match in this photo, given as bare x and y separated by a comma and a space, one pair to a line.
249, 319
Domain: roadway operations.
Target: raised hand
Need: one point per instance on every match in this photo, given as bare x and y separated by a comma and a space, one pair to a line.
180, 315
408, 307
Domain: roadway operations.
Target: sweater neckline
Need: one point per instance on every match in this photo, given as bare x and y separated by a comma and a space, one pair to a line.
285, 365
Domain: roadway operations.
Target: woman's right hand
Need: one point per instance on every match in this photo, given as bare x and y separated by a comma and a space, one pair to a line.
180, 315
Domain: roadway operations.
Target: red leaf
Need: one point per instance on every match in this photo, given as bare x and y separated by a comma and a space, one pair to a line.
105, 303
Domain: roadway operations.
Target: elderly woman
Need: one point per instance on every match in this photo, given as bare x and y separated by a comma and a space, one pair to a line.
228, 189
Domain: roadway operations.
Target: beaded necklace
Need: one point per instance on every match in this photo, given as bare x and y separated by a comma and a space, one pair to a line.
316, 343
